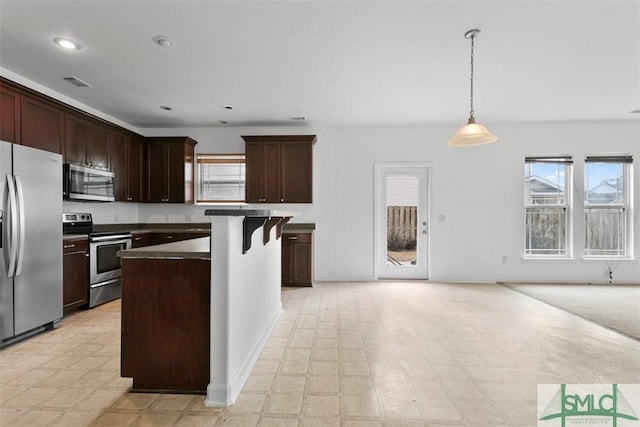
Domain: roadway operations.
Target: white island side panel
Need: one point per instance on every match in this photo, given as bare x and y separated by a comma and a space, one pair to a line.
245, 305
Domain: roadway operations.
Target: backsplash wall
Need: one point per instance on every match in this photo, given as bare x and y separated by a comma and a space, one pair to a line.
105, 212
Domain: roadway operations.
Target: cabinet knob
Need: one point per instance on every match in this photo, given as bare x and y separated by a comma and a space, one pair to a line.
281, 199
69, 246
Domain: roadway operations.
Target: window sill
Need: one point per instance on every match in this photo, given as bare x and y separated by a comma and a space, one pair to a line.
547, 258
221, 204
601, 258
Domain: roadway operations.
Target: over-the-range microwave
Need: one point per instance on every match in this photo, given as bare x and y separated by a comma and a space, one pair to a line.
83, 183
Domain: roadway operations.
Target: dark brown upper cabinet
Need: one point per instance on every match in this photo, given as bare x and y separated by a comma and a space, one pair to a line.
85, 142
98, 146
10, 108
279, 168
126, 153
42, 124
170, 169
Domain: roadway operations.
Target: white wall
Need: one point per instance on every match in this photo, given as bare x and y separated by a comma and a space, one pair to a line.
105, 213
479, 190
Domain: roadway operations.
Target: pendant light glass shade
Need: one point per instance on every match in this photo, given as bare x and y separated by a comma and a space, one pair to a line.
472, 134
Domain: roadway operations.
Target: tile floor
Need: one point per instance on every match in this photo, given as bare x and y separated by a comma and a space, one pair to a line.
343, 354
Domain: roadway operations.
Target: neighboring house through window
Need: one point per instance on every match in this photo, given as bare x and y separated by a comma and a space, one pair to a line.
221, 178
547, 206
607, 206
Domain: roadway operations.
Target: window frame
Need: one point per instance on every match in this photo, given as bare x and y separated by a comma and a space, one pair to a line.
626, 207
217, 158
566, 207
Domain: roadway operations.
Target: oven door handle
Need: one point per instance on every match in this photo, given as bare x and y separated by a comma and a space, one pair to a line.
101, 284
121, 238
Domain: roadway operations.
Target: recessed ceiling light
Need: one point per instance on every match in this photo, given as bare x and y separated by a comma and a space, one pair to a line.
227, 107
164, 107
163, 41
67, 43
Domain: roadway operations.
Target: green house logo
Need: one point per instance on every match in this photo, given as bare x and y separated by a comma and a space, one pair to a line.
589, 405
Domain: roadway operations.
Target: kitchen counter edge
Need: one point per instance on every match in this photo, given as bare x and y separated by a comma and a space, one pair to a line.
186, 249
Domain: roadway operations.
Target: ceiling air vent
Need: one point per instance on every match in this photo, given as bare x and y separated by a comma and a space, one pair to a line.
76, 81
298, 118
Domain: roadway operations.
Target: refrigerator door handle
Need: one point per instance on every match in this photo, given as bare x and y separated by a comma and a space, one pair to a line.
12, 239
21, 224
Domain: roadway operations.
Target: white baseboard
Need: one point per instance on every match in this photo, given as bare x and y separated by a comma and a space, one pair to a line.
217, 396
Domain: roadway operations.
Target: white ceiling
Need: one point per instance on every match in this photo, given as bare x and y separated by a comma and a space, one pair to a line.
335, 62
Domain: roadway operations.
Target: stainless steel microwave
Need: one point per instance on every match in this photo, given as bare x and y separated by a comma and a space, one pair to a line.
84, 183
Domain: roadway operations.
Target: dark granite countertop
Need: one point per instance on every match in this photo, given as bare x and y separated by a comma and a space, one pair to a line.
169, 227
299, 227
170, 230
70, 237
186, 249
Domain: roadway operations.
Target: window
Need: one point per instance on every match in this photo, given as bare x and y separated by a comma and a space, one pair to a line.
547, 206
221, 177
607, 208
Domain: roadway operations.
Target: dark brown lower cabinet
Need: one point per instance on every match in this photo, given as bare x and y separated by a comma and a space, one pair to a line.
297, 259
165, 324
75, 272
140, 240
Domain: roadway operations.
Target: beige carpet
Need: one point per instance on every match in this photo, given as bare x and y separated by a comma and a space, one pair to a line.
615, 307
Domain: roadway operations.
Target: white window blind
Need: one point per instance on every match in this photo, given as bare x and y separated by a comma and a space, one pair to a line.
221, 177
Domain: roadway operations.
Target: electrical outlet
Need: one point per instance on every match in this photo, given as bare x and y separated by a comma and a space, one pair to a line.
442, 218
504, 259
166, 217
116, 218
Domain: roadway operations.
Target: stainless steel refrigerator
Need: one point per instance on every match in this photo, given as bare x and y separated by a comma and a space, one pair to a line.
31, 212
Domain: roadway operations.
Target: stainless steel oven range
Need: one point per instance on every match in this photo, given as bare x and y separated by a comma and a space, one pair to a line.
105, 271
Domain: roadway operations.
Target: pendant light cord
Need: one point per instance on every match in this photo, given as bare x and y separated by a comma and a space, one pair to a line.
471, 112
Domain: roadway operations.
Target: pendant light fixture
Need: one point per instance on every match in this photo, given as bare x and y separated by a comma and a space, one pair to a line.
472, 133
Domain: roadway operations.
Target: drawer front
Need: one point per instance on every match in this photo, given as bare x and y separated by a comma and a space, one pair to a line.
69, 246
297, 237
139, 240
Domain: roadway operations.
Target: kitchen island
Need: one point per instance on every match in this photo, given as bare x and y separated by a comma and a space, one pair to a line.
196, 314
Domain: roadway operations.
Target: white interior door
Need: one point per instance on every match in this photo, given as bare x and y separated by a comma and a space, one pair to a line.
402, 221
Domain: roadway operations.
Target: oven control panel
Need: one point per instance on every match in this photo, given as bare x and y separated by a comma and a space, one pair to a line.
76, 217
